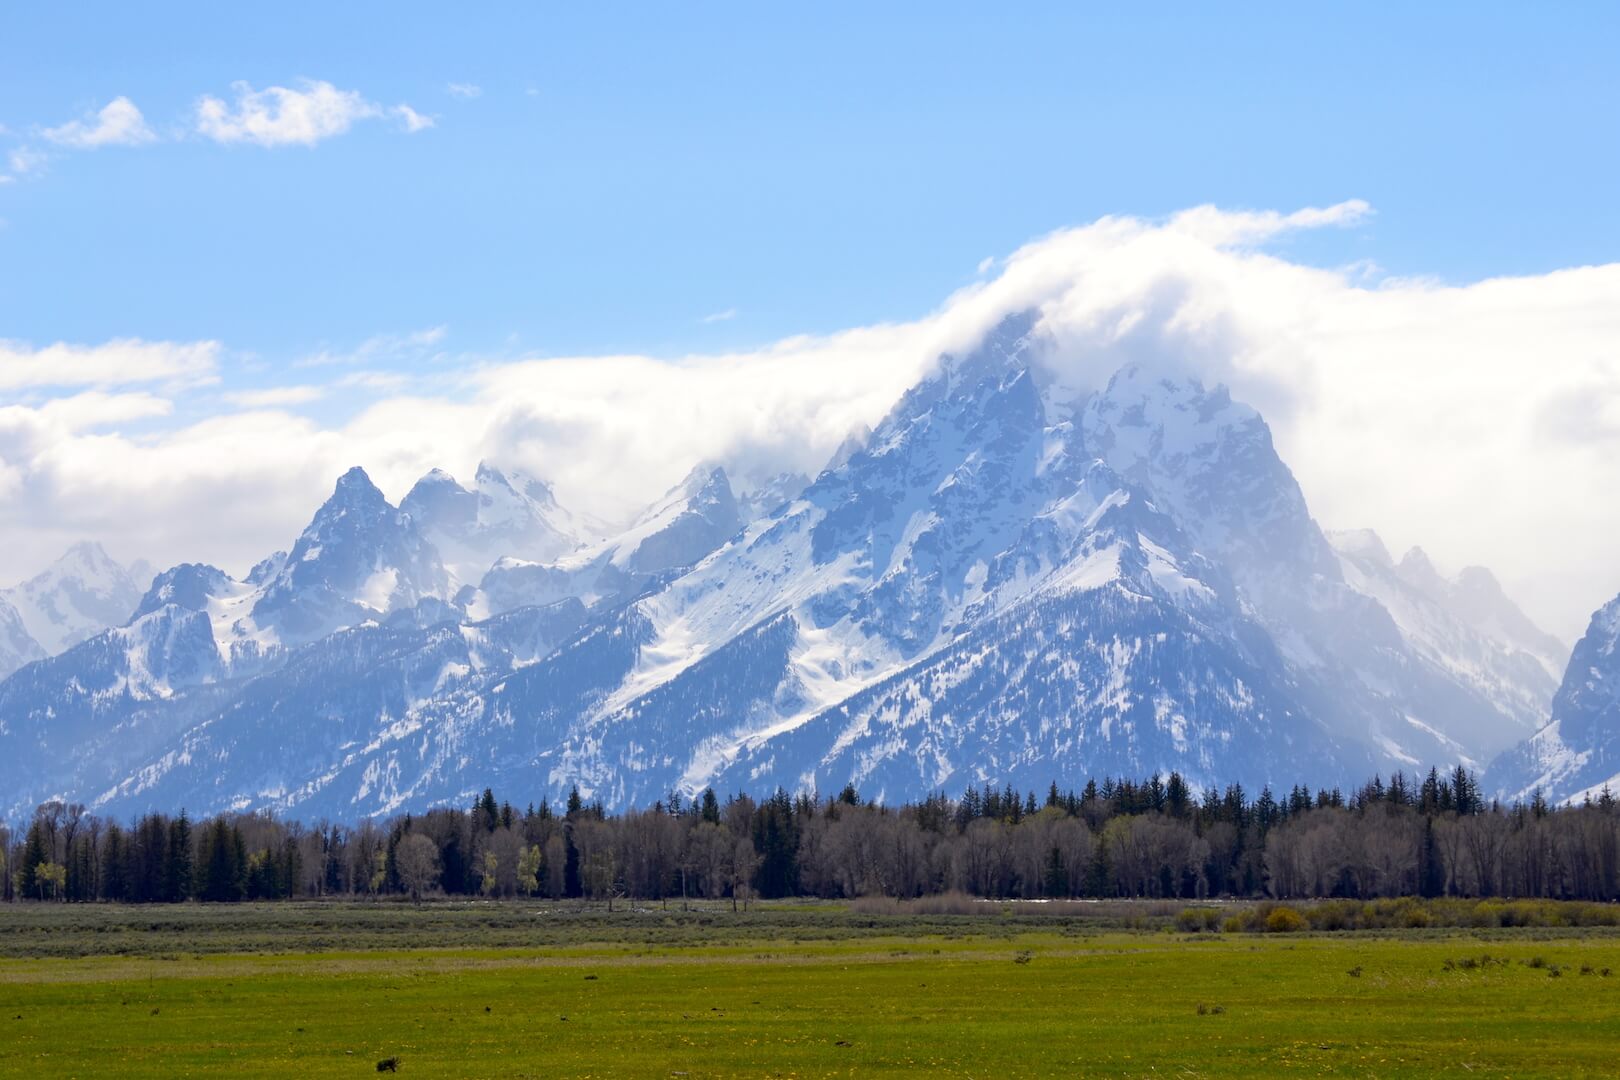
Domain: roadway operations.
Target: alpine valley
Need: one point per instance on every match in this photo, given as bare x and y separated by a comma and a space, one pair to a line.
1004, 582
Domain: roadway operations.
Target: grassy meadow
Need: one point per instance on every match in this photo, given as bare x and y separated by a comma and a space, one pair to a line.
791, 990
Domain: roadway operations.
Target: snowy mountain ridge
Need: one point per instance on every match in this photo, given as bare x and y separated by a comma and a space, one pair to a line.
81, 594
1002, 582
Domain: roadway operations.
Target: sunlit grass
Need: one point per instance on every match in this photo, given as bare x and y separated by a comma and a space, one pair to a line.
980, 998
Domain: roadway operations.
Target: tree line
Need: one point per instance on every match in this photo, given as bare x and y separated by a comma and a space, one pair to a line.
1158, 838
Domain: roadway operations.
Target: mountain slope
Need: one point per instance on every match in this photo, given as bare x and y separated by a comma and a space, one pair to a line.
965, 504
1210, 463
17, 646
71, 723
1578, 751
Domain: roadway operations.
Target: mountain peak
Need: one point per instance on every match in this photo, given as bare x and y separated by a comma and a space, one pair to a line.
1417, 567
358, 554
705, 476
86, 553
356, 483
1362, 544
80, 594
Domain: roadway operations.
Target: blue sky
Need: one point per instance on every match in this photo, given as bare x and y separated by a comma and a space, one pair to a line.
244, 248
620, 176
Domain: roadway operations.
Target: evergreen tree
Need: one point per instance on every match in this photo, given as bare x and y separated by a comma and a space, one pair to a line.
1431, 874
1176, 796
114, 865
177, 869
1055, 881
487, 813
777, 842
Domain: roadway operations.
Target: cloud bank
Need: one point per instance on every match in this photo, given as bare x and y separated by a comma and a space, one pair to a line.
1479, 420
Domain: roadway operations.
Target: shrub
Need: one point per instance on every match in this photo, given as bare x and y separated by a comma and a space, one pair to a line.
1198, 920
1284, 920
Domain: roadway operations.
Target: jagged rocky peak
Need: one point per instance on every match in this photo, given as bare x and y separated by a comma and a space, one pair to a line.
1006, 350
358, 554
686, 524
777, 491
1416, 567
693, 518
853, 444
1211, 460
705, 489
189, 585
506, 514
1361, 544
1471, 603
81, 594
439, 501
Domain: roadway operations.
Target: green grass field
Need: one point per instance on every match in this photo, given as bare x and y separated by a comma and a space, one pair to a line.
798, 991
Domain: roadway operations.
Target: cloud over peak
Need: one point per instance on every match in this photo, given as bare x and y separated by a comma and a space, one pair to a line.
1475, 419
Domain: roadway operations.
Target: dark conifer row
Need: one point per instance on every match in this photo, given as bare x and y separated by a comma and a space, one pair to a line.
1119, 838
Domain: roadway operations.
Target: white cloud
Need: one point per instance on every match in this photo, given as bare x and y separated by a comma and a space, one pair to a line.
720, 316
114, 363
410, 119
463, 90
118, 123
274, 397
281, 116
1480, 420
25, 159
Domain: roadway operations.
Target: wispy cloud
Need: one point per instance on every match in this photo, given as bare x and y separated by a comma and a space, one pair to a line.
464, 90
381, 348
412, 120
124, 361
25, 159
118, 123
720, 316
283, 116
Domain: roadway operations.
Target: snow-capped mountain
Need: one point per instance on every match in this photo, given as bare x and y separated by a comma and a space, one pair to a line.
72, 722
1466, 626
82, 593
691, 520
1577, 753
358, 560
1210, 462
1003, 582
506, 514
